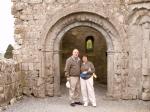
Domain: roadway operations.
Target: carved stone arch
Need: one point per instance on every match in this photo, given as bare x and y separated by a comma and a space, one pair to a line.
85, 17
139, 35
53, 17
136, 15
92, 25
50, 50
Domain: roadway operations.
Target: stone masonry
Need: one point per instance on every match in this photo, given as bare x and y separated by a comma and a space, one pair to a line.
125, 25
10, 81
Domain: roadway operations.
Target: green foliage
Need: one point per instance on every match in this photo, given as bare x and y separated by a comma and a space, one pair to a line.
8, 54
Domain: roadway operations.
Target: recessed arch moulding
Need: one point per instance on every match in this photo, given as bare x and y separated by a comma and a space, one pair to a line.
51, 43
139, 35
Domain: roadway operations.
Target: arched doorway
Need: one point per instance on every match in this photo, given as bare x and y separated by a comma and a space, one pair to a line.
90, 42
51, 48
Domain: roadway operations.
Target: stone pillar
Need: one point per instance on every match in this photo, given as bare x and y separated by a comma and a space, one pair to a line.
56, 73
117, 75
146, 61
124, 75
110, 72
48, 71
133, 89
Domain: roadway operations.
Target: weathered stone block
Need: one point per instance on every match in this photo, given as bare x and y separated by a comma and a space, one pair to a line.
125, 63
1, 89
27, 11
12, 101
15, 0
20, 6
25, 66
37, 16
18, 88
50, 79
146, 85
8, 92
2, 99
32, 1
18, 31
146, 90
40, 81
36, 66
49, 1
39, 91
26, 17
145, 96
27, 91
31, 66
49, 89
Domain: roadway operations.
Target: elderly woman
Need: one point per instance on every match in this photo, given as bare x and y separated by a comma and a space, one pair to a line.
86, 81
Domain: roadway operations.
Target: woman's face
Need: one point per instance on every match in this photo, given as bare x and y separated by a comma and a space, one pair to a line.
84, 59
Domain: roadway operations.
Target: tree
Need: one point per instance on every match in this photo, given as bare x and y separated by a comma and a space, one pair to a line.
8, 54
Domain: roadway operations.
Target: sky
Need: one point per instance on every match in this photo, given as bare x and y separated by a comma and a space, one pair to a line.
6, 25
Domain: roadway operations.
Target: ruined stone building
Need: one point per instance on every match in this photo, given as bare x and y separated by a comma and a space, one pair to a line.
115, 34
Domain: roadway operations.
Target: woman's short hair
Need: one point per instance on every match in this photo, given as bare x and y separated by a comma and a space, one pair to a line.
84, 55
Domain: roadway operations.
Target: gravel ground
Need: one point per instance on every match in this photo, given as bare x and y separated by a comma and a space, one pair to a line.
61, 104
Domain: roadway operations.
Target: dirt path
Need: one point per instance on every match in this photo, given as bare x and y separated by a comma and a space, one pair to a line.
60, 104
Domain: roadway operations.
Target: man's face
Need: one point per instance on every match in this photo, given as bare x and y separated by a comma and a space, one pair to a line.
75, 53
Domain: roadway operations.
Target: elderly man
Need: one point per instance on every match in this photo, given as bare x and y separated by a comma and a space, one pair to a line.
72, 72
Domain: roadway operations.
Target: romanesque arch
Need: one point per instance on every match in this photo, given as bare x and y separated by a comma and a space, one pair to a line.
50, 50
139, 23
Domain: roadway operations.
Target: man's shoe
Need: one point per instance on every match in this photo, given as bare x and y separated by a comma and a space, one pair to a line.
78, 103
72, 104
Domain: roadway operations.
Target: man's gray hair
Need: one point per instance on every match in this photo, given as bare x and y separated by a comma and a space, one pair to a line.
75, 50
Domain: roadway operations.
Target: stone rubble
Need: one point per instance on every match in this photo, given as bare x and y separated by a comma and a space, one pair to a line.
10, 81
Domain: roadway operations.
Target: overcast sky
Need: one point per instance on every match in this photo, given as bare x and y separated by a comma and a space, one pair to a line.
6, 25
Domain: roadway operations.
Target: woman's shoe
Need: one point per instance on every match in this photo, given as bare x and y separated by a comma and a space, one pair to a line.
85, 104
94, 104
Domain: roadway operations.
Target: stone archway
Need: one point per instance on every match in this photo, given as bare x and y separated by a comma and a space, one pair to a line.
50, 54
79, 37
139, 23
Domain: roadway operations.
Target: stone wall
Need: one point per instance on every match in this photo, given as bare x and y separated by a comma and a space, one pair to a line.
139, 35
40, 24
10, 81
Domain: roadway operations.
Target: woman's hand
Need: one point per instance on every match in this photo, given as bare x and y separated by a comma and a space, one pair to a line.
85, 72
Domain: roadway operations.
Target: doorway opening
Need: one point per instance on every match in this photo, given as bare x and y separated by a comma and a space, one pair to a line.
88, 41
